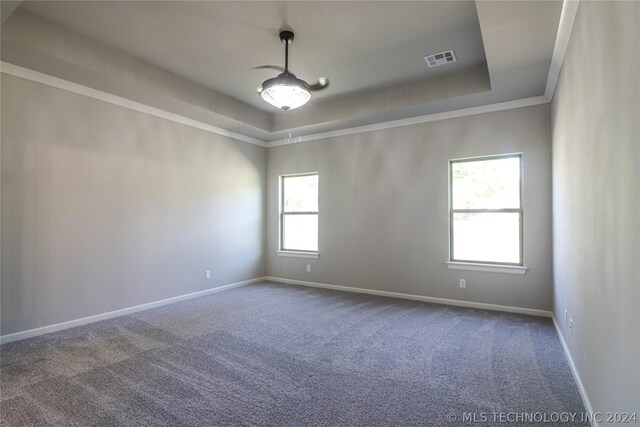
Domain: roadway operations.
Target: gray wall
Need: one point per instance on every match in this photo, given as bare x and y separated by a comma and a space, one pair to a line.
383, 207
596, 202
104, 207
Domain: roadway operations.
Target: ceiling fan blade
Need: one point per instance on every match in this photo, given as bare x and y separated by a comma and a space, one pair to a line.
323, 83
269, 67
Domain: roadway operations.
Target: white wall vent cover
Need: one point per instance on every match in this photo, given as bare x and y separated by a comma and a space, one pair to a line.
440, 58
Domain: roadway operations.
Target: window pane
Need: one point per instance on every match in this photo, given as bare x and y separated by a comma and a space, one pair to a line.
486, 184
489, 237
300, 232
301, 193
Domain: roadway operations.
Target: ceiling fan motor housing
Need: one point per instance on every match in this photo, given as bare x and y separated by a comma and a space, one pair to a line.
286, 36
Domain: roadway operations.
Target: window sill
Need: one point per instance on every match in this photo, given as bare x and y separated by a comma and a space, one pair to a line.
294, 254
488, 268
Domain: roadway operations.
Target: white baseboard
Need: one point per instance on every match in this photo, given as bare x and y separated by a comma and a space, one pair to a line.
444, 301
111, 314
459, 303
576, 375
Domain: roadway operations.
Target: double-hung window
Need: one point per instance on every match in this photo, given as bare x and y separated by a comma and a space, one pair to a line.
485, 210
299, 213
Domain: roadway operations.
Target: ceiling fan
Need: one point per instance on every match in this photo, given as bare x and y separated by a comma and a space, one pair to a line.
286, 91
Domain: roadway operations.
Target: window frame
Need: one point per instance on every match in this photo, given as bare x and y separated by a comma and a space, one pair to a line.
519, 211
281, 249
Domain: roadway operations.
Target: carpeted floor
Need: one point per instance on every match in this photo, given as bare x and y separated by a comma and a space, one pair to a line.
273, 354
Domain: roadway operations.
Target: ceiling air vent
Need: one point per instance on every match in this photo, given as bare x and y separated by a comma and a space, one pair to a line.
440, 58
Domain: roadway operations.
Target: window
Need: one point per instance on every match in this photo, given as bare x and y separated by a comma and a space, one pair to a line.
485, 210
299, 213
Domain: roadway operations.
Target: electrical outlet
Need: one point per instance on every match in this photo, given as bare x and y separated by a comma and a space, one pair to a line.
207, 274
463, 283
308, 268
571, 326
566, 316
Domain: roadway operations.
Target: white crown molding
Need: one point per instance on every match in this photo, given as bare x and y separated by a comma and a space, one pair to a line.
576, 375
481, 109
565, 27
36, 76
116, 313
443, 301
567, 18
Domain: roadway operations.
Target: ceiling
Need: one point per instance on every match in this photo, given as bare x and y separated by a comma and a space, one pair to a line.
372, 52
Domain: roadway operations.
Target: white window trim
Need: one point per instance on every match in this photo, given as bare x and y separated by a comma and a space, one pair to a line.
487, 265
487, 268
290, 252
296, 254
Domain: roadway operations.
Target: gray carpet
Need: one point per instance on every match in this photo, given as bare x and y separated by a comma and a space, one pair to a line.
273, 354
